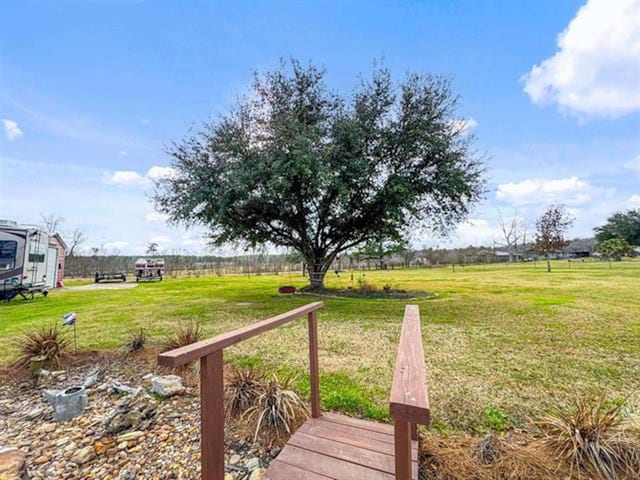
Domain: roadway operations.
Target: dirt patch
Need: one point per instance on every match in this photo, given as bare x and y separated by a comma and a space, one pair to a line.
392, 294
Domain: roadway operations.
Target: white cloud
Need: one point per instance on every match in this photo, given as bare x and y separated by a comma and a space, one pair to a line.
633, 164
571, 191
157, 172
463, 125
131, 178
634, 201
11, 129
127, 178
156, 217
596, 71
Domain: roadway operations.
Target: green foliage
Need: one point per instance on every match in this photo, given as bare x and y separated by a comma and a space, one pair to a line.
615, 248
341, 393
298, 166
624, 225
494, 419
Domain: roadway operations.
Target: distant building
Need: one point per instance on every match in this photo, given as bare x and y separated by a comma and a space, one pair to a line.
581, 248
59, 248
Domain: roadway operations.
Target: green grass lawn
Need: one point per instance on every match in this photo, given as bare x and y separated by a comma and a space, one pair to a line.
502, 343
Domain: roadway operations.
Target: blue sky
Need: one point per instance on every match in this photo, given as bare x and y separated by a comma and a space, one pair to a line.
91, 93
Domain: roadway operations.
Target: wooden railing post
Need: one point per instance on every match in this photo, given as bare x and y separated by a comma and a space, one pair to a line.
212, 416
403, 449
314, 379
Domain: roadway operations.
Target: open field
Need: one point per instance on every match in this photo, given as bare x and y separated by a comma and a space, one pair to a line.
502, 343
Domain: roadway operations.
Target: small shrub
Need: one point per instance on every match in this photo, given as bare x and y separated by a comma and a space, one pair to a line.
242, 388
365, 286
136, 341
594, 440
48, 342
277, 407
186, 334
387, 287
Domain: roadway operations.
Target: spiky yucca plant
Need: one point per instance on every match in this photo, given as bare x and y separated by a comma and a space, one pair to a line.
48, 342
136, 340
277, 407
242, 388
594, 440
186, 334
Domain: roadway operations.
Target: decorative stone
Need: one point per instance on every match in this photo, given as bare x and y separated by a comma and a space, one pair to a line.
67, 404
83, 455
253, 464
34, 413
167, 385
134, 411
258, 474
12, 464
42, 459
118, 387
103, 445
126, 437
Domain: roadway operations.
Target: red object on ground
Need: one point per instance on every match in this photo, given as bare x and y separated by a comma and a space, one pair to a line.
287, 289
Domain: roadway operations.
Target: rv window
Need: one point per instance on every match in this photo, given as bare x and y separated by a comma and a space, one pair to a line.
8, 250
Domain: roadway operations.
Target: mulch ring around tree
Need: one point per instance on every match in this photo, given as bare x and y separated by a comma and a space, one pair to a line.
383, 293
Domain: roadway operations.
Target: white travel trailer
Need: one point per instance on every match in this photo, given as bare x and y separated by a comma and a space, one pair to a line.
29, 257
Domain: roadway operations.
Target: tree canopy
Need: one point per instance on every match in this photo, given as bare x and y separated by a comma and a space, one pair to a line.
615, 248
625, 225
297, 165
551, 228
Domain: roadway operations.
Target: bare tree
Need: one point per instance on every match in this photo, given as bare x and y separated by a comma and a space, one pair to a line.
74, 240
51, 222
514, 233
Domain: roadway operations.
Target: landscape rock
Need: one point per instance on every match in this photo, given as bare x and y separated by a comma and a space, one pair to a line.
167, 385
133, 411
258, 474
34, 413
12, 464
127, 437
253, 464
118, 387
83, 455
157, 439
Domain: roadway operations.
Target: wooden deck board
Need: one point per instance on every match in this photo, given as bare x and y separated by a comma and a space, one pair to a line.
335, 447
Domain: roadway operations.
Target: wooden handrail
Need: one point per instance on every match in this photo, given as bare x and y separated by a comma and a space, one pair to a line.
409, 395
409, 402
189, 353
210, 353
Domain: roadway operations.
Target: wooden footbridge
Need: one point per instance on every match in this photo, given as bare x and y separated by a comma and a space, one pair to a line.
327, 446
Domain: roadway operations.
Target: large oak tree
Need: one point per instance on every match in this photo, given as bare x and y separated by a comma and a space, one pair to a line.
297, 165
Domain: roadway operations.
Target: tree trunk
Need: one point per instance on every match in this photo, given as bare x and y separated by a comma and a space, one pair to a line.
317, 273
548, 264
